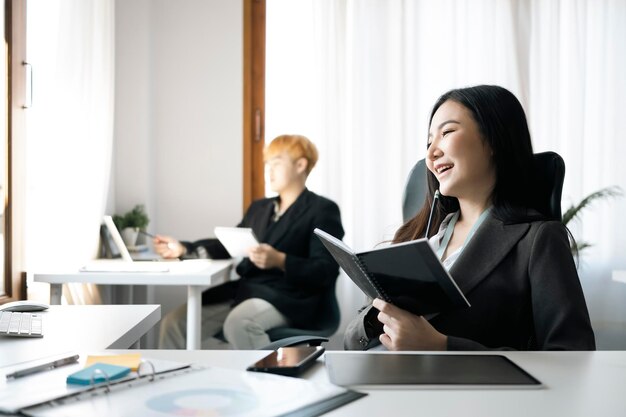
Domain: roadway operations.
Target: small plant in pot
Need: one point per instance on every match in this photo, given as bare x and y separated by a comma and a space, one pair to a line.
131, 223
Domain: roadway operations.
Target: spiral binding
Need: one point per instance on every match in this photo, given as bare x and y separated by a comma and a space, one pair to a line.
107, 386
144, 364
371, 278
106, 382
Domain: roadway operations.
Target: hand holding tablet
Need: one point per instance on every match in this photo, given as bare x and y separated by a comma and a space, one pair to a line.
236, 240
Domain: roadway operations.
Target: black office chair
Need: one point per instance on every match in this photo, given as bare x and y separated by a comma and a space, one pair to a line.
327, 322
550, 173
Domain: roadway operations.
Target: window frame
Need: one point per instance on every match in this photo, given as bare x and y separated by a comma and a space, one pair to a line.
253, 100
15, 39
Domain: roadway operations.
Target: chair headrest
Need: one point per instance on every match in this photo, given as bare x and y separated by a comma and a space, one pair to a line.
550, 176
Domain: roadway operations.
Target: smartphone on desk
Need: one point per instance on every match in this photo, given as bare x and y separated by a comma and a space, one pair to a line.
289, 361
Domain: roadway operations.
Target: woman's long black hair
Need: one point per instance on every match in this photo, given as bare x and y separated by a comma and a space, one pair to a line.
502, 123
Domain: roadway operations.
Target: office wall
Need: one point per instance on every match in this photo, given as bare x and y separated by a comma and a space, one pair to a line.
178, 118
178, 113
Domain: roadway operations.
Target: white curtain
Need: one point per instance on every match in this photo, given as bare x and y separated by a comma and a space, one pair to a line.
360, 77
70, 131
577, 99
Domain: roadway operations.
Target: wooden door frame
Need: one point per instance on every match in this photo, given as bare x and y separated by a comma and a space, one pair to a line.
15, 38
253, 100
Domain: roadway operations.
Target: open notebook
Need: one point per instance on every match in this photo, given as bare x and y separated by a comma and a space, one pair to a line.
127, 264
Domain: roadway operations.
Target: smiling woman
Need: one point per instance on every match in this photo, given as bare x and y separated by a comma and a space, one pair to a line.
457, 154
512, 262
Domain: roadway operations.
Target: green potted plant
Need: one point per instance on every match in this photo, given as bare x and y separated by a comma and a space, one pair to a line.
131, 223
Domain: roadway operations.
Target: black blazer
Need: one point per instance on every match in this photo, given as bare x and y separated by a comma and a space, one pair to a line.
522, 283
310, 270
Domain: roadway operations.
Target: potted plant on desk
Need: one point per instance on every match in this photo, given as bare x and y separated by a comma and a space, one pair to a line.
131, 223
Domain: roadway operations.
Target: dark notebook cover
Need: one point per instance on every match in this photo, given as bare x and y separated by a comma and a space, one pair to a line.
408, 275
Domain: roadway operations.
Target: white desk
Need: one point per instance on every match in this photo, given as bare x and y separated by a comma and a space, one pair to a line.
576, 384
197, 275
82, 328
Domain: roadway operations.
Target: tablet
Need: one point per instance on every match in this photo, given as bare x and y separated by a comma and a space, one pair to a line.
436, 370
236, 240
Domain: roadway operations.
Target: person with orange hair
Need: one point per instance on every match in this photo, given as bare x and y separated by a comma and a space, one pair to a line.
284, 278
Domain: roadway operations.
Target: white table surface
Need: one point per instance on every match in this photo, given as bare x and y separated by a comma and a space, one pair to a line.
576, 384
82, 328
197, 275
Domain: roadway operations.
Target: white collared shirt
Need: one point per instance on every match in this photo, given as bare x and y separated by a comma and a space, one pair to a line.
435, 242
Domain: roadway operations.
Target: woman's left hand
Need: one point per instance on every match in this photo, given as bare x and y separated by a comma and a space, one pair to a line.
265, 256
406, 331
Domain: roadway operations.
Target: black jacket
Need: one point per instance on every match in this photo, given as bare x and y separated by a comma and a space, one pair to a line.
310, 270
522, 283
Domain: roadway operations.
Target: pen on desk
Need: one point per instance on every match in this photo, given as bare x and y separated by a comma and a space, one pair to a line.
43, 367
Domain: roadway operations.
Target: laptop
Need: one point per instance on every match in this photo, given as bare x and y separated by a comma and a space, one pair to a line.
117, 238
127, 264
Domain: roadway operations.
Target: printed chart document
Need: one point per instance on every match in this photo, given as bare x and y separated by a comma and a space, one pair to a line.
51, 385
408, 275
202, 391
236, 240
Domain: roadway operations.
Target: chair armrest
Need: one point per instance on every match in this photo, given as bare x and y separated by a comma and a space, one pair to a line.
295, 340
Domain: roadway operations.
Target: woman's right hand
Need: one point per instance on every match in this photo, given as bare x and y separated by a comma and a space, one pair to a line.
406, 331
168, 247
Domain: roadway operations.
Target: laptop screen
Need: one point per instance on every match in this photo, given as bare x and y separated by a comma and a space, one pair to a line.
117, 238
